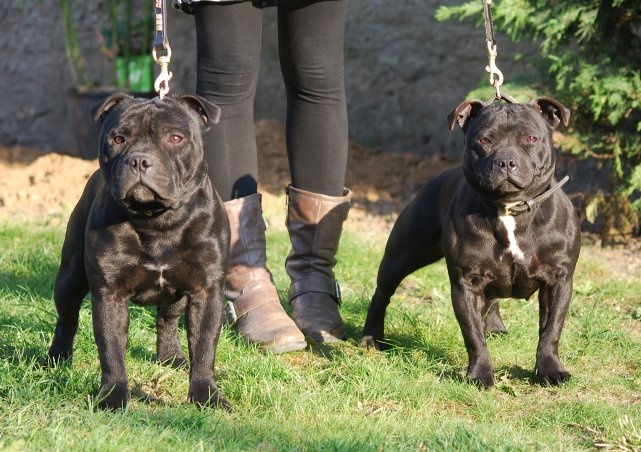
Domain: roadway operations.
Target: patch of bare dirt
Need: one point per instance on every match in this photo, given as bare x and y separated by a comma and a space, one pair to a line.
46, 187
40, 186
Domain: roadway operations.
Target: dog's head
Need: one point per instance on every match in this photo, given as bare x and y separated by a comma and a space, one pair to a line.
151, 150
509, 154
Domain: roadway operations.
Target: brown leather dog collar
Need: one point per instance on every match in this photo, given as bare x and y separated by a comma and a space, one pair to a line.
519, 207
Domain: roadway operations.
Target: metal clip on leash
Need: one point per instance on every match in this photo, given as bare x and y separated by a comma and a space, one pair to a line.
496, 76
161, 51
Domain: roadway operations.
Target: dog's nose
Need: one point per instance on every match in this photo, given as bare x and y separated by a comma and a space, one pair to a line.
139, 163
508, 164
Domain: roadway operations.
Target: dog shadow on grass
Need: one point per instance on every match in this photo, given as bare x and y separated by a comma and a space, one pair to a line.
397, 344
35, 282
443, 361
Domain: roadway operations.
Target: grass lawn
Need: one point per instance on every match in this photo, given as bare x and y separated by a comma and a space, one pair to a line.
338, 397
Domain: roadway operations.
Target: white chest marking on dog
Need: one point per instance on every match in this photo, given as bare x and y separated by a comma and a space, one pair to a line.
510, 226
159, 269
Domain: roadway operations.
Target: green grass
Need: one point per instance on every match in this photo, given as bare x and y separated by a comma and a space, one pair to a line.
338, 397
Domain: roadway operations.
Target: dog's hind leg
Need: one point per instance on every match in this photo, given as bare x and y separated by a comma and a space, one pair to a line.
71, 282
69, 293
168, 348
409, 248
492, 320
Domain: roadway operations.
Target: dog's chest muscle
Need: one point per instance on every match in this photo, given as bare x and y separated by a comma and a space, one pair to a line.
156, 272
509, 224
514, 261
162, 282
496, 258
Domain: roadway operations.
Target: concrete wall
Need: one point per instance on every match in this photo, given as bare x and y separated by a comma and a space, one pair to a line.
404, 71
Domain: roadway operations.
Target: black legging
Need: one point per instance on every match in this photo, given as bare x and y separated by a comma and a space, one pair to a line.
310, 36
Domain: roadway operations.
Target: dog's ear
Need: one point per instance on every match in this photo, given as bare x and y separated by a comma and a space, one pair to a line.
208, 111
99, 111
463, 113
553, 111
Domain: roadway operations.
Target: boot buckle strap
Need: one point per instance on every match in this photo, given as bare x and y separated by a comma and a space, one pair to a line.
253, 295
235, 309
230, 313
337, 293
315, 283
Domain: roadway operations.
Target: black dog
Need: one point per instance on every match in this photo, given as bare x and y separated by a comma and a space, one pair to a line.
503, 226
150, 229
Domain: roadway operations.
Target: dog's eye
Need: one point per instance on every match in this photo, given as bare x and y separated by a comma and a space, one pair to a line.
118, 139
531, 139
175, 139
484, 140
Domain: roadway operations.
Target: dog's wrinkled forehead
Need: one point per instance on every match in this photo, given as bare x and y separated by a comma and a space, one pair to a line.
551, 111
508, 117
188, 111
149, 116
140, 117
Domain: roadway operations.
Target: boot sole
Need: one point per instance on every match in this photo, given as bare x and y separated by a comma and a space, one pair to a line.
279, 349
325, 338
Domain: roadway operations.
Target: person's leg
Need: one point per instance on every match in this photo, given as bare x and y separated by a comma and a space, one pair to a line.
228, 62
311, 54
311, 36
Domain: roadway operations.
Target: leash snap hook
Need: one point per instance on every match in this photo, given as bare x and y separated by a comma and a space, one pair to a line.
496, 76
161, 85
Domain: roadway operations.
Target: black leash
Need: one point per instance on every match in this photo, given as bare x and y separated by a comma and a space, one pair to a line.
160, 36
489, 24
161, 50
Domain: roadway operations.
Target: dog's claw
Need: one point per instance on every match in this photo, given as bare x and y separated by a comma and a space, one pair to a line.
175, 362
52, 361
555, 378
482, 382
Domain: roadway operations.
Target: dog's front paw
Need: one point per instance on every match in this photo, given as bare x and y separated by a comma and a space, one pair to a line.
60, 351
480, 375
551, 372
369, 341
113, 396
206, 394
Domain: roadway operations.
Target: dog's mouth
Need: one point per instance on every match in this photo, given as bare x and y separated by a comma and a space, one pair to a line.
143, 200
501, 184
510, 186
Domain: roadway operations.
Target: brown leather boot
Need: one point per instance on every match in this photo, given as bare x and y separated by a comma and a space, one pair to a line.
315, 223
253, 306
